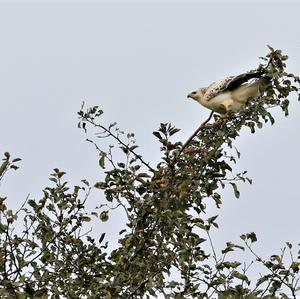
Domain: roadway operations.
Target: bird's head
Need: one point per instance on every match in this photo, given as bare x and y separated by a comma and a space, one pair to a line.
197, 95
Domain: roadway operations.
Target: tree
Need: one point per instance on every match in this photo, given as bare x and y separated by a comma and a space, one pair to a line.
166, 231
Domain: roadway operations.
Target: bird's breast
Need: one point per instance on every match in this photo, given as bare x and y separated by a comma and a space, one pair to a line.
222, 103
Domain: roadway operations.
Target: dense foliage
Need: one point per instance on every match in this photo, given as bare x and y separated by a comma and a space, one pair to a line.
165, 248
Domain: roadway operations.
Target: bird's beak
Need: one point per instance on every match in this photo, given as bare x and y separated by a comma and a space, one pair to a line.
189, 95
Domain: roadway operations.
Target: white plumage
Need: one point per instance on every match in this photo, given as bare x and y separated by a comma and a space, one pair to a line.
231, 93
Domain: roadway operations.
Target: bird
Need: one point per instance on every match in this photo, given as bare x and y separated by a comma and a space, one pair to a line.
232, 93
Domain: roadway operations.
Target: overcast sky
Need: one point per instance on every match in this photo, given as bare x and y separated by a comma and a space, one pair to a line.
138, 60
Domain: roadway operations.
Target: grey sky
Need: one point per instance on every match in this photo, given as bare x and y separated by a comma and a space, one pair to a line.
138, 61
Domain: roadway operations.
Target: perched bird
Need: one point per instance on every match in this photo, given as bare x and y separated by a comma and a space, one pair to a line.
231, 93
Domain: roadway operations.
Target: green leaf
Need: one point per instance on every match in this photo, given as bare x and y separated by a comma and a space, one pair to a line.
85, 219
157, 134
3, 167
14, 167
104, 216
263, 279
212, 219
252, 237
102, 161
174, 131
295, 266
16, 160
202, 226
100, 185
53, 180
132, 148
235, 190
241, 276
101, 237
143, 175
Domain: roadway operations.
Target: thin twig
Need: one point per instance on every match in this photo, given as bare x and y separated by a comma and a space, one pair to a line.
212, 247
122, 143
196, 132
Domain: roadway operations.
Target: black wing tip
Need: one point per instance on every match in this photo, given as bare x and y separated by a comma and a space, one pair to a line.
240, 79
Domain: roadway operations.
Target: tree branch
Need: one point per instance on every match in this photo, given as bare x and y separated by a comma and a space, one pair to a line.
121, 142
196, 132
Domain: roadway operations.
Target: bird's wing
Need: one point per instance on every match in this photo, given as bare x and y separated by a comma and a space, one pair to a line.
216, 88
241, 79
229, 84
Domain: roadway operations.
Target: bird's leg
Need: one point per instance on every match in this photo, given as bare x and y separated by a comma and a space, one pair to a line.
224, 118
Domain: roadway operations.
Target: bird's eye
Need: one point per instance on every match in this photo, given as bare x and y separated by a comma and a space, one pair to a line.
194, 92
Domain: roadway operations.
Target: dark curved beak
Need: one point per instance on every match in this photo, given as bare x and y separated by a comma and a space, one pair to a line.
189, 95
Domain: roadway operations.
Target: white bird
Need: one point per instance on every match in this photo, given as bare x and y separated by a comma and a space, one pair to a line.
231, 93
